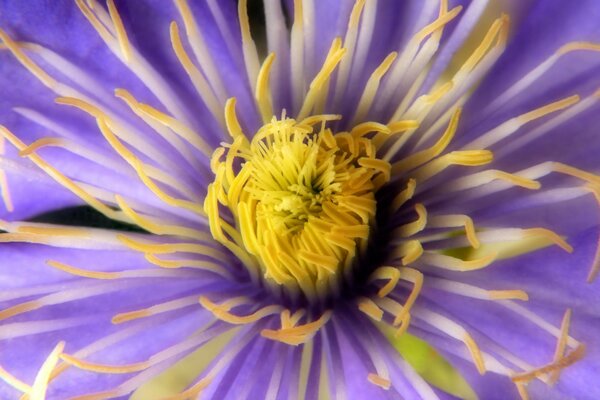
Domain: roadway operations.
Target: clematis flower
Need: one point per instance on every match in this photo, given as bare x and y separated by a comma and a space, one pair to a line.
290, 204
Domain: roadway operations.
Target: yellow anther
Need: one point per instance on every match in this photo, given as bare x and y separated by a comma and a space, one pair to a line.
82, 272
422, 157
559, 365
548, 108
222, 312
298, 334
561, 345
405, 195
416, 226
369, 307
439, 23
38, 144
391, 274
508, 295
552, 236
263, 92
104, 368
120, 29
475, 353
379, 381
416, 277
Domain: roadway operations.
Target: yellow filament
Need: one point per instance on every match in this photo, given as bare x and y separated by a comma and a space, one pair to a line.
412, 251
423, 156
177, 127
551, 236
379, 381
299, 334
475, 353
159, 228
201, 264
485, 44
561, 345
404, 195
391, 274
104, 368
439, 23
366, 99
120, 29
5, 192
548, 108
233, 125
416, 226
416, 277
456, 264
559, 365
194, 73
371, 309
336, 52
95, 22
40, 385
169, 248
508, 295
14, 381
137, 165
263, 92
38, 144
82, 272
516, 180
222, 312
248, 45
288, 320
32, 67
522, 390
452, 221
574, 46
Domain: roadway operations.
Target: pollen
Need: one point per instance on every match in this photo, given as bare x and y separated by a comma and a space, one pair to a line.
303, 198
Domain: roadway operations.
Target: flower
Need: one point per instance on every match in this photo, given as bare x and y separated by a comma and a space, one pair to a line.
364, 182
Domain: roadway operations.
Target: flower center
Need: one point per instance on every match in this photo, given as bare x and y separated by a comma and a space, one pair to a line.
303, 200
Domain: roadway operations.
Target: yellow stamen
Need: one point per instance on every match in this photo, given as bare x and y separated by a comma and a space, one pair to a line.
202, 86
82, 272
263, 92
475, 353
248, 45
299, 334
372, 86
423, 156
561, 345
14, 381
170, 248
40, 385
120, 28
559, 365
416, 277
336, 52
391, 274
104, 368
222, 312
201, 264
452, 221
371, 309
379, 381
416, 226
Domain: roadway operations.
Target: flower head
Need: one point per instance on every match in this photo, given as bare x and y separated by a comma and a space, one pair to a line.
387, 174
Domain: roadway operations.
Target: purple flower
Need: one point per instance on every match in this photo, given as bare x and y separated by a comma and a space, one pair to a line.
385, 170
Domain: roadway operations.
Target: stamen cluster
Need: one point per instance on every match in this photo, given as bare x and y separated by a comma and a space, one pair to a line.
303, 201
